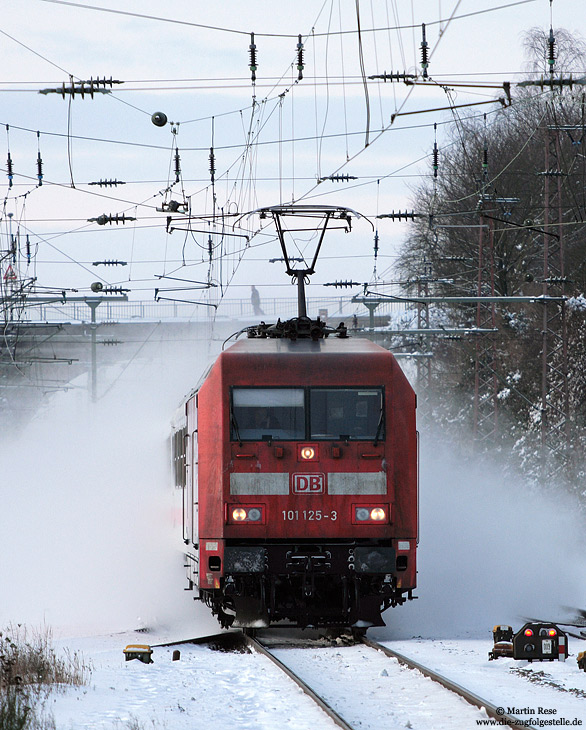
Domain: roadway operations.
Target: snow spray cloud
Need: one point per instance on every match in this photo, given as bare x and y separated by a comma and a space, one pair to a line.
89, 538
492, 549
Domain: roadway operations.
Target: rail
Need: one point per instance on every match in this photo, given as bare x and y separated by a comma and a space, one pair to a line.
470, 697
328, 709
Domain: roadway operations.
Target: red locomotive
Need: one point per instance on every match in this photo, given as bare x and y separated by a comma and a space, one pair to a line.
299, 458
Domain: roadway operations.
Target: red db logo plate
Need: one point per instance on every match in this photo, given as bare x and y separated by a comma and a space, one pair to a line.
309, 483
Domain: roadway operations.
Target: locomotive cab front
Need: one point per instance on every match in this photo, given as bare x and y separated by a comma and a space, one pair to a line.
301, 484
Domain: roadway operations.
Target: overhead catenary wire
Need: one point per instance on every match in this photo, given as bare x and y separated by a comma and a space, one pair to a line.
363, 74
303, 138
387, 127
238, 31
251, 150
133, 202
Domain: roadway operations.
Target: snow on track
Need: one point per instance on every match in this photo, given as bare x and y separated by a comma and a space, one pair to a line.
373, 692
232, 691
204, 689
559, 688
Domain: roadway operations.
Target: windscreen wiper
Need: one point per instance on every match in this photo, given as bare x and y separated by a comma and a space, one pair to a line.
379, 428
235, 427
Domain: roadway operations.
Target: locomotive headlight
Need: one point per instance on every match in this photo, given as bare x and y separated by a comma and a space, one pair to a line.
245, 514
370, 514
378, 514
307, 452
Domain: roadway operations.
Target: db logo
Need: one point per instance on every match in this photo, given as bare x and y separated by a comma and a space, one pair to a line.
308, 483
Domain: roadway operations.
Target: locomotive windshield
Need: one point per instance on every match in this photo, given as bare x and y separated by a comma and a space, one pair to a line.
268, 413
289, 414
346, 413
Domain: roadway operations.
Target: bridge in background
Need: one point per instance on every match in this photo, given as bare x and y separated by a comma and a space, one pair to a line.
331, 308
47, 346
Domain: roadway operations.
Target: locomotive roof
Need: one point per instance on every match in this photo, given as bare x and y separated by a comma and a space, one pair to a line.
283, 346
277, 360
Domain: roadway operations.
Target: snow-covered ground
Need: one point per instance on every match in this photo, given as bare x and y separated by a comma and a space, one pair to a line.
224, 690
204, 689
538, 690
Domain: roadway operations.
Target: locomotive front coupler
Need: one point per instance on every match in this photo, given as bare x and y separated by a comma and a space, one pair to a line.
308, 588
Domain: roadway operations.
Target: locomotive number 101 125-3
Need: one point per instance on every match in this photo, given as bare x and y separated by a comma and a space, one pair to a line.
309, 515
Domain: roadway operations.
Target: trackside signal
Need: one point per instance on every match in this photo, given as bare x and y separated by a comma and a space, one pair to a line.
540, 642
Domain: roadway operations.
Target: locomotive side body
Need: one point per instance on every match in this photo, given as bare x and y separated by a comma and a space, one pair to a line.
301, 484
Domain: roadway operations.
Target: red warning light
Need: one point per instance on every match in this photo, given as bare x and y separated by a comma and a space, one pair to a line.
528, 632
552, 632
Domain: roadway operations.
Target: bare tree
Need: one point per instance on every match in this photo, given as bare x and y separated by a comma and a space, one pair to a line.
492, 174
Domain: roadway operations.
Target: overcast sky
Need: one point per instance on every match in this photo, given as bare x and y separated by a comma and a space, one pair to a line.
272, 141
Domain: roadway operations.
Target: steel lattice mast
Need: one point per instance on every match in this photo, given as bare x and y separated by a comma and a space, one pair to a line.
555, 406
485, 379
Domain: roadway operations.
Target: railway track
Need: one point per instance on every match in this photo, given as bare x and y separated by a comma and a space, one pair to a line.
256, 645
336, 715
470, 697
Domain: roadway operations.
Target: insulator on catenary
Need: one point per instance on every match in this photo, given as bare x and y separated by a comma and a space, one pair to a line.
343, 284
117, 218
252, 65
291, 258
399, 76
107, 183
435, 151
39, 169
424, 52
80, 89
551, 50
101, 81
338, 178
212, 165
111, 342
300, 64
9, 170
177, 160
39, 160
114, 290
110, 262
399, 215
28, 249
